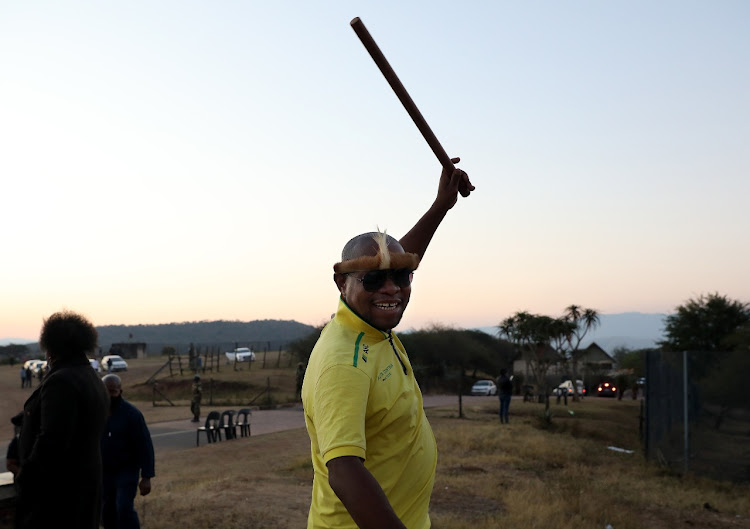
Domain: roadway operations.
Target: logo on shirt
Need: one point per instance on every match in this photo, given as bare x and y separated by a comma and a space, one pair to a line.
385, 374
365, 350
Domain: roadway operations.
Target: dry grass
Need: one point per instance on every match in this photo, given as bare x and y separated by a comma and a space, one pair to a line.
263, 482
523, 475
489, 476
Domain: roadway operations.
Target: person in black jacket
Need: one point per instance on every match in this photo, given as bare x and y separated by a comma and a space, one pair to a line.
504, 393
59, 481
127, 451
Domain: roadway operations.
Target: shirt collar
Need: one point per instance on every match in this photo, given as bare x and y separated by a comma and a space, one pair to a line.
348, 317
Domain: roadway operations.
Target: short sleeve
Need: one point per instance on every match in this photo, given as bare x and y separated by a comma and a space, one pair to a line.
340, 403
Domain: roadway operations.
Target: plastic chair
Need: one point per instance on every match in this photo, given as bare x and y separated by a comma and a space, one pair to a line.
212, 428
243, 422
226, 423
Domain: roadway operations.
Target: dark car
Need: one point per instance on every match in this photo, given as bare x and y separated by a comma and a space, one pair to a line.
606, 389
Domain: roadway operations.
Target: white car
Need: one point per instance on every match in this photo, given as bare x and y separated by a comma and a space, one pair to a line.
484, 387
95, 364
241, 354
118, 364
567, 388
33, 365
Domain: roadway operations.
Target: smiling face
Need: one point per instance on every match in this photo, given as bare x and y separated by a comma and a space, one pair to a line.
383, 308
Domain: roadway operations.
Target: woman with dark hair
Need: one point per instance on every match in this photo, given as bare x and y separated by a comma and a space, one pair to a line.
59, 481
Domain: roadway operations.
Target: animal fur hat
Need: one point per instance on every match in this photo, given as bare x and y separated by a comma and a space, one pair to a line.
382, 260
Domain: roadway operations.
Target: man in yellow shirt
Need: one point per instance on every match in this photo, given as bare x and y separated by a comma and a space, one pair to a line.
373, 451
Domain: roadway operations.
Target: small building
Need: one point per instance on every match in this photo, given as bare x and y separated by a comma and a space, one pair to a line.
128, 350
546, 354
595, 361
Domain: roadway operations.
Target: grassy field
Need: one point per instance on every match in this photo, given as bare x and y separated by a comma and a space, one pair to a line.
527, 474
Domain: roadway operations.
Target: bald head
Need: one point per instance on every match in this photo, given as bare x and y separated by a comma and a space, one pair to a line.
367, 244
113, 385
374, 251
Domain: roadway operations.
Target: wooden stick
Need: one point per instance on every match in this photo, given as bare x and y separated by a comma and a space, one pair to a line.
406, 100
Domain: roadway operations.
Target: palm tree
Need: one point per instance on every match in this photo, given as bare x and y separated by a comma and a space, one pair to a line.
580, 321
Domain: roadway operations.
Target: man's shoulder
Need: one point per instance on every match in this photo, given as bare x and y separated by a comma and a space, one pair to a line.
130, 409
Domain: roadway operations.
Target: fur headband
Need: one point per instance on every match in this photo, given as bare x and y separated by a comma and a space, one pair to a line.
384, 259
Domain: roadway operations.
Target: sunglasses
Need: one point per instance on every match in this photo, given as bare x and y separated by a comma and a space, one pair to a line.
374, 280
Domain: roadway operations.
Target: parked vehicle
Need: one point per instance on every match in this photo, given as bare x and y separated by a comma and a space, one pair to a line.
39, 366
118, 364
242, 354
606, 389
567, 388
33, 365
484, 387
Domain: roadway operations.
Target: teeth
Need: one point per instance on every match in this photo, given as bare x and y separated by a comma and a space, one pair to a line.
386, 306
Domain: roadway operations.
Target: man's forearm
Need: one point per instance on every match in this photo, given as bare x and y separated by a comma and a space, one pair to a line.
361, 494
418, 238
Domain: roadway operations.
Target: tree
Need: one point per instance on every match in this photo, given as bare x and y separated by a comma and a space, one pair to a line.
446, 354
302, 347
580, 321
631, 359
704, 324
532, 335
14, 352
715, 332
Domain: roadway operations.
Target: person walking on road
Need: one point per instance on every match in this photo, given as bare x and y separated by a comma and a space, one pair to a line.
127, 452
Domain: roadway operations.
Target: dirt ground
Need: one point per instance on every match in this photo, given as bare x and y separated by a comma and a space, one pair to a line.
12, 396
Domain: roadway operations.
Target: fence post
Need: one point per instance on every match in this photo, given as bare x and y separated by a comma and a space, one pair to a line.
685, 416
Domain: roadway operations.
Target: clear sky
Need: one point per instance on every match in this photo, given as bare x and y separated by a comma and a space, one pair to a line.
182, 161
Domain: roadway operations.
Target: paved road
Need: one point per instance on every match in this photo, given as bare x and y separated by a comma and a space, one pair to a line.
178, 435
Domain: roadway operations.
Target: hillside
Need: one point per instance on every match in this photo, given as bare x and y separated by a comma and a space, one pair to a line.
260, 335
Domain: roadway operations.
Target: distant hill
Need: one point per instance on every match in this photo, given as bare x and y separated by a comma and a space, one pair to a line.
632, 330
260, 335
17, 341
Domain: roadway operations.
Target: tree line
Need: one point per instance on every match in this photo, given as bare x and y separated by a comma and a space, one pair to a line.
713, 328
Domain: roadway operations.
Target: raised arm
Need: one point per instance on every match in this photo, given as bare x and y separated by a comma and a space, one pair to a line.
418, 238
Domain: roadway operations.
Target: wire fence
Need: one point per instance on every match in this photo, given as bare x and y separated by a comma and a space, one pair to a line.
697, 413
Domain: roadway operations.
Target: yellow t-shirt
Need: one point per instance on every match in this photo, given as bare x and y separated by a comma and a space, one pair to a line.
361, 399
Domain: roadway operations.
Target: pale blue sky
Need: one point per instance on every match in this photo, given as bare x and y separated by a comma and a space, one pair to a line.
182, 161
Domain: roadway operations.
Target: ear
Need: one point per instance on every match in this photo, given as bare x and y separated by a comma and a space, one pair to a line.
340, 280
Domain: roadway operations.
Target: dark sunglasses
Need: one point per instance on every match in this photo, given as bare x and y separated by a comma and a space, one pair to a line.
375, 279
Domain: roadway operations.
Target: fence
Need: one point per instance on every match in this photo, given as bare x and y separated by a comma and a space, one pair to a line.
697, 413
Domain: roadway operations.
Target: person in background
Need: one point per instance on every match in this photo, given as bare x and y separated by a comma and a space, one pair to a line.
299, 379
374, 454
23, 377
195, 401
504, 393
59, 480
127, 454
11, 457
29, 377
